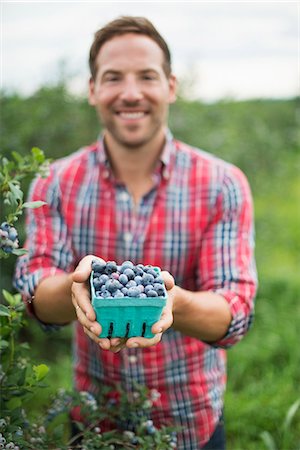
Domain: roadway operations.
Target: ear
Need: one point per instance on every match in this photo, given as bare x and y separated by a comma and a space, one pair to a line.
172, 88
91, 93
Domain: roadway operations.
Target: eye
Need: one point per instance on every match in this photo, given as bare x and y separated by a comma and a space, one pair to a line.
111, 77
149, 76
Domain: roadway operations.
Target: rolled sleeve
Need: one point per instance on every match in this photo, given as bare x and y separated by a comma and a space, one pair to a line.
49, 248
228, 262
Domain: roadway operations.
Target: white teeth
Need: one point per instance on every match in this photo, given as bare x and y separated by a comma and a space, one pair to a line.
132, 115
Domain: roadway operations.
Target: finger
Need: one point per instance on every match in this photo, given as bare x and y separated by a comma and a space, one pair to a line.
114, 344
84, 269
117, 344
92, 326
165, 321
140, 342
81, 297
168, 279
91, 335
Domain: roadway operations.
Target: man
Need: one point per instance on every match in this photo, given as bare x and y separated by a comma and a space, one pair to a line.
140, 195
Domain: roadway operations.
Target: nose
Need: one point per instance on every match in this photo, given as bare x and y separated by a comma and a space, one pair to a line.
131, 91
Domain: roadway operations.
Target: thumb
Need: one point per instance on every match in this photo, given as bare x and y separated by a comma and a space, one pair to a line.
168, 279
84, 269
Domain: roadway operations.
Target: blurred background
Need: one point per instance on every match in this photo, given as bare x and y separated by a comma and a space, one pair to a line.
238, 68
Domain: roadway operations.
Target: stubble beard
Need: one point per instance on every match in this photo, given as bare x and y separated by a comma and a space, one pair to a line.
129, 143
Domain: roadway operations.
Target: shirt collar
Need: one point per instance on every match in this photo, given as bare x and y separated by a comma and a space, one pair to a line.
163, 165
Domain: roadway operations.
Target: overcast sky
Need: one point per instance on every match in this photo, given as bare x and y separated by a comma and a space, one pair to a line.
230, 49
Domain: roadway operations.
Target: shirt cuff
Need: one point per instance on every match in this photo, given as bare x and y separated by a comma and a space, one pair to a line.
242, 319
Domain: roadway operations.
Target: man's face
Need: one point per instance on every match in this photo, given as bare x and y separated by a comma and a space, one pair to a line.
131, 92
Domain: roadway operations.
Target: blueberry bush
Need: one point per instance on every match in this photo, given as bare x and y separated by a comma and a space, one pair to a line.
21, 378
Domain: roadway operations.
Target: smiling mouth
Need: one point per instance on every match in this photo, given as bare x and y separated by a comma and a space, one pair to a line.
132, 115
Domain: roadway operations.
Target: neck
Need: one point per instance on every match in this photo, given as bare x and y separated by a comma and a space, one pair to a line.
137, 162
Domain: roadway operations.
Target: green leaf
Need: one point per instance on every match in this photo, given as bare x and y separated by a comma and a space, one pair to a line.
38, 154
33, 205
4, 311
5, 330
268, 440
17, 156
14, 403
16, 191
40, 371
290, 415
3, 344
22, 376
9, 297
19, 251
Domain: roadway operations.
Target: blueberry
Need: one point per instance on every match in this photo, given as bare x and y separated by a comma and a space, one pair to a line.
159, 289
133, 292
97, 283
152, 293
148, 287
152, 272
138, 270
113, 285
148, 279
106, 294
129, 273
138, 279
159, 280
98, 266
103, 278
118, 294
126, 265
12, 234
111, 266
5, 226
131, 283
125, 291
123, 279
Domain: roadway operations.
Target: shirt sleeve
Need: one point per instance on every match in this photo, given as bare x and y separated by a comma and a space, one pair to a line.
227, 265
48, 244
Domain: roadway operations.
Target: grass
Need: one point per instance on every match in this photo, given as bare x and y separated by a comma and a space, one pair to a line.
264, 376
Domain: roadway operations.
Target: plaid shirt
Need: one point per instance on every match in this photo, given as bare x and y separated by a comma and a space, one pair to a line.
197, 223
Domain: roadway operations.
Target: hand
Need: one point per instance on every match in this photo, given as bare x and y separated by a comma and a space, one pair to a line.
82, 303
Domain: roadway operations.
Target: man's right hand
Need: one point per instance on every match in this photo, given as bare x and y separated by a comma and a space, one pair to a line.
81, 300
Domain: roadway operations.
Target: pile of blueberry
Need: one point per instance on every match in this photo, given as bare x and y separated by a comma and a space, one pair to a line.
8, 237
126, 280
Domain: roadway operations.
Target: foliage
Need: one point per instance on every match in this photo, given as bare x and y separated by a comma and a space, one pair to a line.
11, 173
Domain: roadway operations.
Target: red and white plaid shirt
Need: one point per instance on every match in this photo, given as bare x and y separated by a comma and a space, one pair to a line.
197, 223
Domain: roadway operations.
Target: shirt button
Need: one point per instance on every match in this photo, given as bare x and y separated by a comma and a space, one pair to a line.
124, 196
127, 237
132, 359
166, 174
105, 174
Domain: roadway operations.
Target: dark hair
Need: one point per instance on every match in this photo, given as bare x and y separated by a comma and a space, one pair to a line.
124, 25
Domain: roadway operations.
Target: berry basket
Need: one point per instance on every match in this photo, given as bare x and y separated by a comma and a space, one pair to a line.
127, 316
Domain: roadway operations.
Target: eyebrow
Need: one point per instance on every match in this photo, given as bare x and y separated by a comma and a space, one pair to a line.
117, 72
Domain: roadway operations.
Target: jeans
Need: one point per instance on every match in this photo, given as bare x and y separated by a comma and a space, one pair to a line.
217, 441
